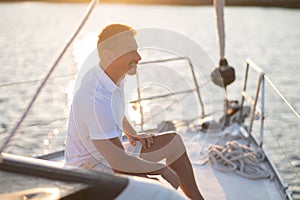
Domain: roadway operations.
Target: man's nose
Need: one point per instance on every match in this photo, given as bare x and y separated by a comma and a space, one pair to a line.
138, 56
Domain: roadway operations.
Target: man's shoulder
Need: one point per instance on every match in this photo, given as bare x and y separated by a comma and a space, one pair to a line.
91, 82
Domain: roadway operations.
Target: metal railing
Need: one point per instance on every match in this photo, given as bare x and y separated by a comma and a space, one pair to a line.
197, 87
260, 88
245, 96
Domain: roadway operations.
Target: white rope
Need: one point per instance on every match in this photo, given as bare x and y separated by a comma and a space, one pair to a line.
234, 157
219, 7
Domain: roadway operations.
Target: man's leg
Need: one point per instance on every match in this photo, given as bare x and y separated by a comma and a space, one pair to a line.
171, 147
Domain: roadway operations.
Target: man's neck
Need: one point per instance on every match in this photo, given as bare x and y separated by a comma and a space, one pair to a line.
113, 74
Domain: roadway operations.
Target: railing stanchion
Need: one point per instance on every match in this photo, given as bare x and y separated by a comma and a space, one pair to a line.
244, 90
262, 111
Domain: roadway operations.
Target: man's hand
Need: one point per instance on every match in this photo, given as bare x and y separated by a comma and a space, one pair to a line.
147, 140
169, 175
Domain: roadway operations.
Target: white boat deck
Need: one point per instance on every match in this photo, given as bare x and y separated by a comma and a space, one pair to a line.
216, 185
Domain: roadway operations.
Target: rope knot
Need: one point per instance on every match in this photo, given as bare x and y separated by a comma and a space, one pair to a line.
234, 157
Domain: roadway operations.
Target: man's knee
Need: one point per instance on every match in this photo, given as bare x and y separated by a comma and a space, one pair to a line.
175, 146
175, 137
170, 134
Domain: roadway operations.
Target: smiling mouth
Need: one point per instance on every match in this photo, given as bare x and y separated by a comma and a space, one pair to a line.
133, 64
133, 68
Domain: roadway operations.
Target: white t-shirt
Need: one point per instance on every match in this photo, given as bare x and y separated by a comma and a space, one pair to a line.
97, 113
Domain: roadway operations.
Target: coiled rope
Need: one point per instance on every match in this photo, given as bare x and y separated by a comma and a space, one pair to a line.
234, 157
61, 53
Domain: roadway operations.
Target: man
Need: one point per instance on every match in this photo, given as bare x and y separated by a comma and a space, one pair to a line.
97, 120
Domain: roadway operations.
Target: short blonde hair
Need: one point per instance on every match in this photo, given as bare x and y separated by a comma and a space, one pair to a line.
112, 30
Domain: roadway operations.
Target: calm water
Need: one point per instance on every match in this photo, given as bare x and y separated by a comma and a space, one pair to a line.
32, 33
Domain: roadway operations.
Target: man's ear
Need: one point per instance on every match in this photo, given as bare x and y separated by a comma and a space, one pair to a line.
107, 56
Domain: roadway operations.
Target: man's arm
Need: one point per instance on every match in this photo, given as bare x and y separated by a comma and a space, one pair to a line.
113, 152
127, 128
145, 139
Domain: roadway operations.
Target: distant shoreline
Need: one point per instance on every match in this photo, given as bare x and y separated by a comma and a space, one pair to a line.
261, 3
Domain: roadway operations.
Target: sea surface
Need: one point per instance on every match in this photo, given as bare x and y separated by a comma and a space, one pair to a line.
32, 33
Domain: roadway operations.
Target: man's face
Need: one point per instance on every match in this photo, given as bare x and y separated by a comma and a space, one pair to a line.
126, 55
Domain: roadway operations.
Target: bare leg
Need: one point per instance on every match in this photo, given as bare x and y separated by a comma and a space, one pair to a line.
183, 168
171, 147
